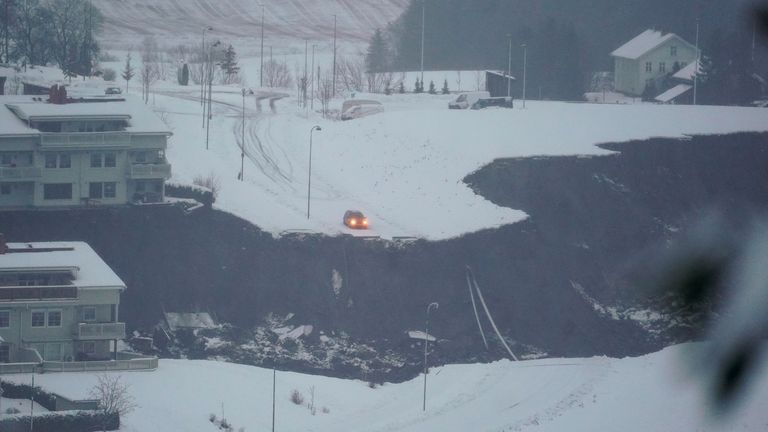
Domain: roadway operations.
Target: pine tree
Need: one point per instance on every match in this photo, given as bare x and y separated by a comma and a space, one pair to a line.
229, 64
445, 88
184, 75
376, 58
401, 89
432, 89
127, 72
418, 87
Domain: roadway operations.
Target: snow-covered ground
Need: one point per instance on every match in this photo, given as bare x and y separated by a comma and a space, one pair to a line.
649, 393
402, 168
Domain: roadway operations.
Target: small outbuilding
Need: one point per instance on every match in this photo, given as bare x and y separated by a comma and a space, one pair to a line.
499, 84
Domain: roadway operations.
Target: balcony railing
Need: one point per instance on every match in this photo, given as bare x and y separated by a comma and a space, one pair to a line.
78, 140
86, 331
150, 171
17, 173
38, 293
135, 364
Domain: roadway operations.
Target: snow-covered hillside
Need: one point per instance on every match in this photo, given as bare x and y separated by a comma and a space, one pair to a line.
403, 168
127, 21
649, 393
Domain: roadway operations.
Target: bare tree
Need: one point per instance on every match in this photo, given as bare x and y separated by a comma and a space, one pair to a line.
113, 396
150, 59
351, 73
277, 74
325, 92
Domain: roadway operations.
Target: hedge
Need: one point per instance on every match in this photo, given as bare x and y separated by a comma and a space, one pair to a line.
202, 195
23, 391
63, 421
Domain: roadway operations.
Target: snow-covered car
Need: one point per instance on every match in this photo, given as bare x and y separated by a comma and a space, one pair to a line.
113, 91
353, 109
466, 100
502, 102
355, 219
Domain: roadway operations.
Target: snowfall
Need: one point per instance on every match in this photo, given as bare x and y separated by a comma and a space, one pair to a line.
656, 392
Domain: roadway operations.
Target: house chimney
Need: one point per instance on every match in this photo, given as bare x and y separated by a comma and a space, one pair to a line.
3, 244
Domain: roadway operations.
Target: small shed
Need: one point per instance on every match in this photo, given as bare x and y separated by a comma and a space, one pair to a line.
498, 84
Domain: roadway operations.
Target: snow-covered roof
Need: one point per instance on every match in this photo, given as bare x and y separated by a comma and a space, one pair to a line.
177, 320
18, 109
673, 93
642, 44
89, 269
687, 72
501, 74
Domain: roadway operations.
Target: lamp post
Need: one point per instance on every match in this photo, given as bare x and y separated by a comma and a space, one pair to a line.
525, 66
423, 12
210, 93
261, 69
309, 177
202, 79
426, 344
334, 57
509, 67
698, 59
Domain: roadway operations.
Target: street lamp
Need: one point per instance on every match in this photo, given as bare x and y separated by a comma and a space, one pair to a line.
509, 67
309, 177
426, 344
210, 92
202, 80
261, 69
525, 66
698, 59
423, 12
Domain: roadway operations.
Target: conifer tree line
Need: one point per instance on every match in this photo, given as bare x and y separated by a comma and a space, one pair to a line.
567, 41
38, 32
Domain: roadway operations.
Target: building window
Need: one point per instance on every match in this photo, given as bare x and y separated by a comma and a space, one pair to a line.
95, 190
54, 318
38, 318
6, 160
57, 191
89, 313
89, 347
50, 161
110, 190
5, 319
65, 161
5, 353
673, 51
648, 67
141, 157
5, 188
96, 160
110, 160
662, 67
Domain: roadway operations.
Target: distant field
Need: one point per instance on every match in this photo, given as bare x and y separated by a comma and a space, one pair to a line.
127, 22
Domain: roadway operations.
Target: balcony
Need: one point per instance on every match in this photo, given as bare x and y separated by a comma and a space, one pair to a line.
52, 141
38, 293
150, 171
100, 331
20, 173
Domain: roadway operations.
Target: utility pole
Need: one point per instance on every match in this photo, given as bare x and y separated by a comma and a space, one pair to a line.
210, 94
334, 55
242, 143
261, 70
696, 68
309, 177
202, 70
274, 382
5, 29
304, 83
525, 66
426, 344
423, 12
312, 82
509, 67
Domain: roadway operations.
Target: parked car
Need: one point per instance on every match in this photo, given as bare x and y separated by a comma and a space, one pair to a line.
353, 109
503, 102
355, 219
466, 100
113, 91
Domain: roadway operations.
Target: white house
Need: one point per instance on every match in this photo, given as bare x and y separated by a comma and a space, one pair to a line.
649, 57
83, 151
59, 310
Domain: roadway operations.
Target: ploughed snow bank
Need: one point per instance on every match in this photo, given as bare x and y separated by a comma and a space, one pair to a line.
404, 168
650, 393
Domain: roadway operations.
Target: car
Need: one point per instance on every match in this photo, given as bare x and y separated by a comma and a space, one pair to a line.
355, 219
503, 102
354, 109
113, 91
467, 99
